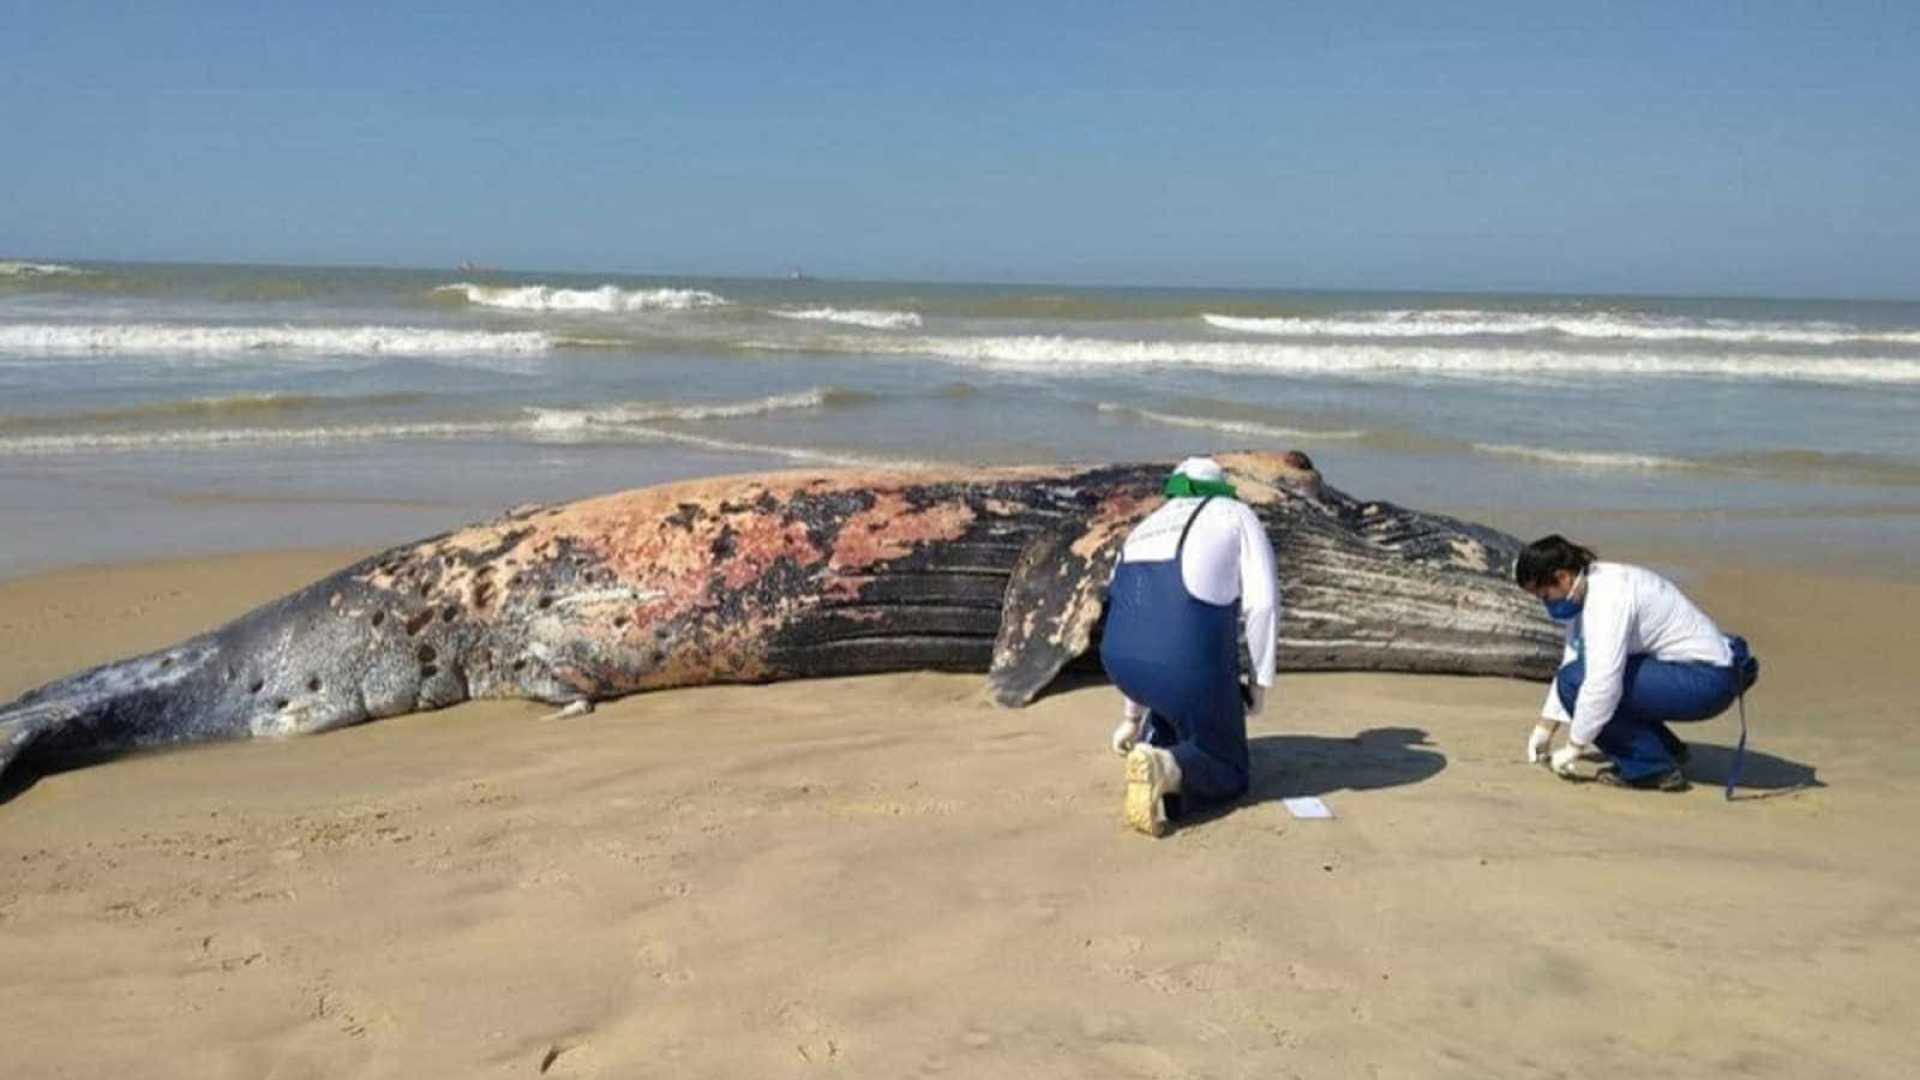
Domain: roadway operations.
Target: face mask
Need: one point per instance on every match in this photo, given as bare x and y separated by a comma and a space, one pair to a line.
1567, 608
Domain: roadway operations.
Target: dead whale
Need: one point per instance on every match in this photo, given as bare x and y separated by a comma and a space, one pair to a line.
782, 576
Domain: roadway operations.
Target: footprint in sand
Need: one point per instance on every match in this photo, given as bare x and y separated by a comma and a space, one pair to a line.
813, 1044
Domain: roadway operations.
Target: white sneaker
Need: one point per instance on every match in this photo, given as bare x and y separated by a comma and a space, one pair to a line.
1152, 774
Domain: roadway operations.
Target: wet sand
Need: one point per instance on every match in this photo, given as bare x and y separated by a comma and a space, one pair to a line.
887, 877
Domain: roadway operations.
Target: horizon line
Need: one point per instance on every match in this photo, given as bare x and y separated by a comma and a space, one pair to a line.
456, 268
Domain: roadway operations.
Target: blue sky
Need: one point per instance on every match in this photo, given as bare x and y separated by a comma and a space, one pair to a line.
1764, 148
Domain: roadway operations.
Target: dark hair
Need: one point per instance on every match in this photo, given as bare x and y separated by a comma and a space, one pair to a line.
1540, 560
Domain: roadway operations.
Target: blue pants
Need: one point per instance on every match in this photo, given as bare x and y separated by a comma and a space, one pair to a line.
1179, 656
1211, 748
1655, 693
1195, 712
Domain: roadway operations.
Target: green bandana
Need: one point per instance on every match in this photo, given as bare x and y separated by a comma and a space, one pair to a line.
1180, 484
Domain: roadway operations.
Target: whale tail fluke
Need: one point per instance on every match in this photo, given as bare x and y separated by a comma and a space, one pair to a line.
104, 709
21, 725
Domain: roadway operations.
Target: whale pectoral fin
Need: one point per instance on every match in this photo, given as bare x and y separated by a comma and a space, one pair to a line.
1054, 600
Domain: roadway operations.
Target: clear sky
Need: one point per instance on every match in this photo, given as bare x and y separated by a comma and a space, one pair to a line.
1754, 148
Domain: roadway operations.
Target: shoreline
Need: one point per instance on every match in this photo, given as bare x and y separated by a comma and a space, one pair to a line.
131, 513
888, 875
1869, 542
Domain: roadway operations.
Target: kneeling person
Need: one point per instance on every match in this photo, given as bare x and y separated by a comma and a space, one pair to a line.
1188, 577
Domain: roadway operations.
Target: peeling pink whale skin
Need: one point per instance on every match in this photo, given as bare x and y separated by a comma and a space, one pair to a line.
789, 575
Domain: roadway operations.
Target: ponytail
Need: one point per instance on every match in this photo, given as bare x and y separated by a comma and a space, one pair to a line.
1543, 558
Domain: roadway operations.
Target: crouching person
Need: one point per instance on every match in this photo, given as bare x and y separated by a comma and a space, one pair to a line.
1639, 656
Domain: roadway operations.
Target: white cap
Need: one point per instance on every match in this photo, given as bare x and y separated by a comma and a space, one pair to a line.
1201, 468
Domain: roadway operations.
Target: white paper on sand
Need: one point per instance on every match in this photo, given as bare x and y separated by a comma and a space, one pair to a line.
1306, 806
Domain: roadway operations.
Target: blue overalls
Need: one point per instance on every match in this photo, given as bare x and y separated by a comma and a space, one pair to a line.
1180, 657
1655, 693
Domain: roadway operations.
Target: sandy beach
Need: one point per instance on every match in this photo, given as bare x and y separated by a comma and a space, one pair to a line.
888, 876
642, 345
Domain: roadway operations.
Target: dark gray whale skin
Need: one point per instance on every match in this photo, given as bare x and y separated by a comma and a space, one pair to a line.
788, 575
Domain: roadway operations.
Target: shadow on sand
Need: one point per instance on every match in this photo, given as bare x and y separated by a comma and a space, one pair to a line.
1289, 766
1286, 766
29, 769
1764, 776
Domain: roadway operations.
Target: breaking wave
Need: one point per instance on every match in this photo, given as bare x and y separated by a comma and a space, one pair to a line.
1588, 459
219, 438
1816, 465
1614, 327
230, 405
15, 268
1227, 426
336, 340
572, 420
606, 299
613, 423
1835, 467
215, 438
872, 320
1063, 354
811, 455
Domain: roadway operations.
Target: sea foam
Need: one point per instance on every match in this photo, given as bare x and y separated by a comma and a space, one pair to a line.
1227, 426
338, 340
216, 438
1843, 467
1062, 355
872, 320
215, 407
606, 299
609, 423
15, 268
1587, 459
1596, 326
637, 420
811, 455
534, 430
555, 420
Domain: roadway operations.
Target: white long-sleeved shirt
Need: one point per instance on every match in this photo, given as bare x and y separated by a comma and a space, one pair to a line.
1227, 556
1629, 611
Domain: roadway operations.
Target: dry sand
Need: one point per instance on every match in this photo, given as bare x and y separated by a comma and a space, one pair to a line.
888, 877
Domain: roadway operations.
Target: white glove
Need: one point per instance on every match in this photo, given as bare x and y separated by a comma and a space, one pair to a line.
1259, 695
1125, 735
1565, 757
1540, 740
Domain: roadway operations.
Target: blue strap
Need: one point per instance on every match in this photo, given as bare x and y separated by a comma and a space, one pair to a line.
1740, 751
1744, 669
1195, 516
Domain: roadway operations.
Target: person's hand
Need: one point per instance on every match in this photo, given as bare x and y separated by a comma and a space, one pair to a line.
1540, 741
1256, 698
1125, 735
1565, 757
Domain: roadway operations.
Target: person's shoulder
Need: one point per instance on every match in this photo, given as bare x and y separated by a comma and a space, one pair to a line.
1243, 516
1609, 579
1623, 572
1224, 506
1631, 584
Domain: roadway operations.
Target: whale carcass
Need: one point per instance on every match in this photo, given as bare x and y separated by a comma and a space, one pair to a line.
789, 575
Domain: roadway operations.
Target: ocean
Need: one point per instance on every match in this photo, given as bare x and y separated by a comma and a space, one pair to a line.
158, 409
